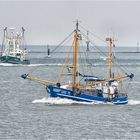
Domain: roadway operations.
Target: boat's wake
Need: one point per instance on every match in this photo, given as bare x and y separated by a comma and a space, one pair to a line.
133, 102
53, 101
47, 64
21, 65
28, 65
34, 65
60, 101
9, 65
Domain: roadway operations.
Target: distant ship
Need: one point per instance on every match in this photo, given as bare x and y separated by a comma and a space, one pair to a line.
12, 50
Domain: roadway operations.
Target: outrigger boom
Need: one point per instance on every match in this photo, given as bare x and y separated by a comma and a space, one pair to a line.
45, 82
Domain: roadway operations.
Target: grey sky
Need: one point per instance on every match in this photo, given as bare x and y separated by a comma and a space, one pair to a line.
49, 22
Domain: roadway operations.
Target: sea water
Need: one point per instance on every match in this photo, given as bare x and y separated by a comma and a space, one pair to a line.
27, 112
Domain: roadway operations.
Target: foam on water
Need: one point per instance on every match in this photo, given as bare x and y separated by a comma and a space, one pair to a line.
53, 101
20, 65
60, 101
28, 65
134, 102
50, 64
9, 65
34, 65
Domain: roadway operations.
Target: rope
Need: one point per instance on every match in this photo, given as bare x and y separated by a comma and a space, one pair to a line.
95, 46
66, 60
52, 51
93, 34
61, 42
80, 56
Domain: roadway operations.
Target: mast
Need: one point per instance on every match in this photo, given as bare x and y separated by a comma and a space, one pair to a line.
110, 56
87, 42
75, 61
3, 42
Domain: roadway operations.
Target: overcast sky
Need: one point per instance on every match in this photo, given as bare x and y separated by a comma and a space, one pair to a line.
49, 22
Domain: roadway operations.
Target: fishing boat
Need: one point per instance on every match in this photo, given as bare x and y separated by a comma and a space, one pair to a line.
12, 50
86, 87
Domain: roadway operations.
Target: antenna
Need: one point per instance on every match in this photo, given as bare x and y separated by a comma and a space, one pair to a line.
77, 24
23, 29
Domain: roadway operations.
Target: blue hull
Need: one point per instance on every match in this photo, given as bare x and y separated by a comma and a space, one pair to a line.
83, 97
13, 60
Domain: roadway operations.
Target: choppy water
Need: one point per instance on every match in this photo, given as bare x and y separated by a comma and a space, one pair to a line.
26, 112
